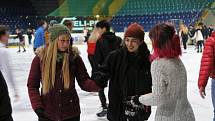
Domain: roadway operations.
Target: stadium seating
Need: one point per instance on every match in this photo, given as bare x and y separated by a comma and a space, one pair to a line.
151, 12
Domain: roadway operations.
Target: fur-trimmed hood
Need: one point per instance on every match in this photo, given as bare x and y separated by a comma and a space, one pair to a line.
74, 52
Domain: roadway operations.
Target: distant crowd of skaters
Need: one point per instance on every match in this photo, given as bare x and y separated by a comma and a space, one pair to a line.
136, 78
197, 35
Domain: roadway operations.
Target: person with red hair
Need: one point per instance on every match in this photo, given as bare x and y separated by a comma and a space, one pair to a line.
169, 78
207, 68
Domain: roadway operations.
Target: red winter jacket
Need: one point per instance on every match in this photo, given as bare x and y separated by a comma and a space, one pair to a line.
207, 68
59, 104
91, 47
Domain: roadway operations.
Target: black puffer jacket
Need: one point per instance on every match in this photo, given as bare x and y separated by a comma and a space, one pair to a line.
5, 106
117, 68
107, 43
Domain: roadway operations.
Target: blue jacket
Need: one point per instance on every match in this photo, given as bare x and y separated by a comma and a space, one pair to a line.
39, 37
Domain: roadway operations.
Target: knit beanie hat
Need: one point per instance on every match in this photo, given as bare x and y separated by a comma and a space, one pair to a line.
56, 30
135, 30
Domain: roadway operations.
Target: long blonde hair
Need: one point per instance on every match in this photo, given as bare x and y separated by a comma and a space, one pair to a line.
49, 68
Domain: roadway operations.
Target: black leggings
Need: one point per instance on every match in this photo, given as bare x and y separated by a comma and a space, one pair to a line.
184, 44
22, 44
102, 99
92, 62
200, 43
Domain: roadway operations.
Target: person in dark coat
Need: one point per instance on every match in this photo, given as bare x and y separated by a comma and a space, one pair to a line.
69, 25
128, 70
191, 34
56, 67
30, 32
210, 29
5, 105
105, 44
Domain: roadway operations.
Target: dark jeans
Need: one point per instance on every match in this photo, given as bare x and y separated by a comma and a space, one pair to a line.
184, 44
29, 39
102, 99
213, 96
72, 119
200, 43
92, 62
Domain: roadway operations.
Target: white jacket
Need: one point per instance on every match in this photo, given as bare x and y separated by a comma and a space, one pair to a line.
198, 36
169, 93
5, 66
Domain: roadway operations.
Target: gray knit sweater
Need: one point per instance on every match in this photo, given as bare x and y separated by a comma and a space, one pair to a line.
169, 91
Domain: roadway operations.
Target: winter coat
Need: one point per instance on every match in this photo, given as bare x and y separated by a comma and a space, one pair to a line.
169, 93
5, 105
20, 36
107, 43
59, 104
91, 47
192, 33
207, 68
198, 35
115, 69
5, 64
184, 36
39, 37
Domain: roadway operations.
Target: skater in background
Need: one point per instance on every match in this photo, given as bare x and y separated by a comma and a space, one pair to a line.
85, 33
69, 25
91, 47
5, 61
169, 78
191, 34
46, 33
55, 67
30, 33
107, 43
199, 39
21, 38
210, 29
39, 39
207, 69
184, 36
128, 70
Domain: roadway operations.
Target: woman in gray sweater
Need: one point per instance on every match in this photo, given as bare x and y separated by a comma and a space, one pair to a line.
169, 78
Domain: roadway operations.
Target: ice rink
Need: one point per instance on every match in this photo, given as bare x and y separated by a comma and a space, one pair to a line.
89, 102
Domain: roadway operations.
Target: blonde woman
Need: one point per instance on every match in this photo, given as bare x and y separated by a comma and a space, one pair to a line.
56, 68
91, 47
184, 35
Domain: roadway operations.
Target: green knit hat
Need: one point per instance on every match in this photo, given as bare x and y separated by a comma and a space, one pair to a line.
56, 30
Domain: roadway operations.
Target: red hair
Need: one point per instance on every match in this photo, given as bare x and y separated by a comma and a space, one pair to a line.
165, 42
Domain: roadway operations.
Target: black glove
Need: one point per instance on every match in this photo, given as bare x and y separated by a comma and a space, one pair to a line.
40, 112
133, 101
133, 107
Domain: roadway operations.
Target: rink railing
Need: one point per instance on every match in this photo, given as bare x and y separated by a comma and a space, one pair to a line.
77, 37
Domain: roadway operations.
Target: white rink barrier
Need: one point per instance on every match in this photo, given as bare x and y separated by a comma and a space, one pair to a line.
78, 38
14, 42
